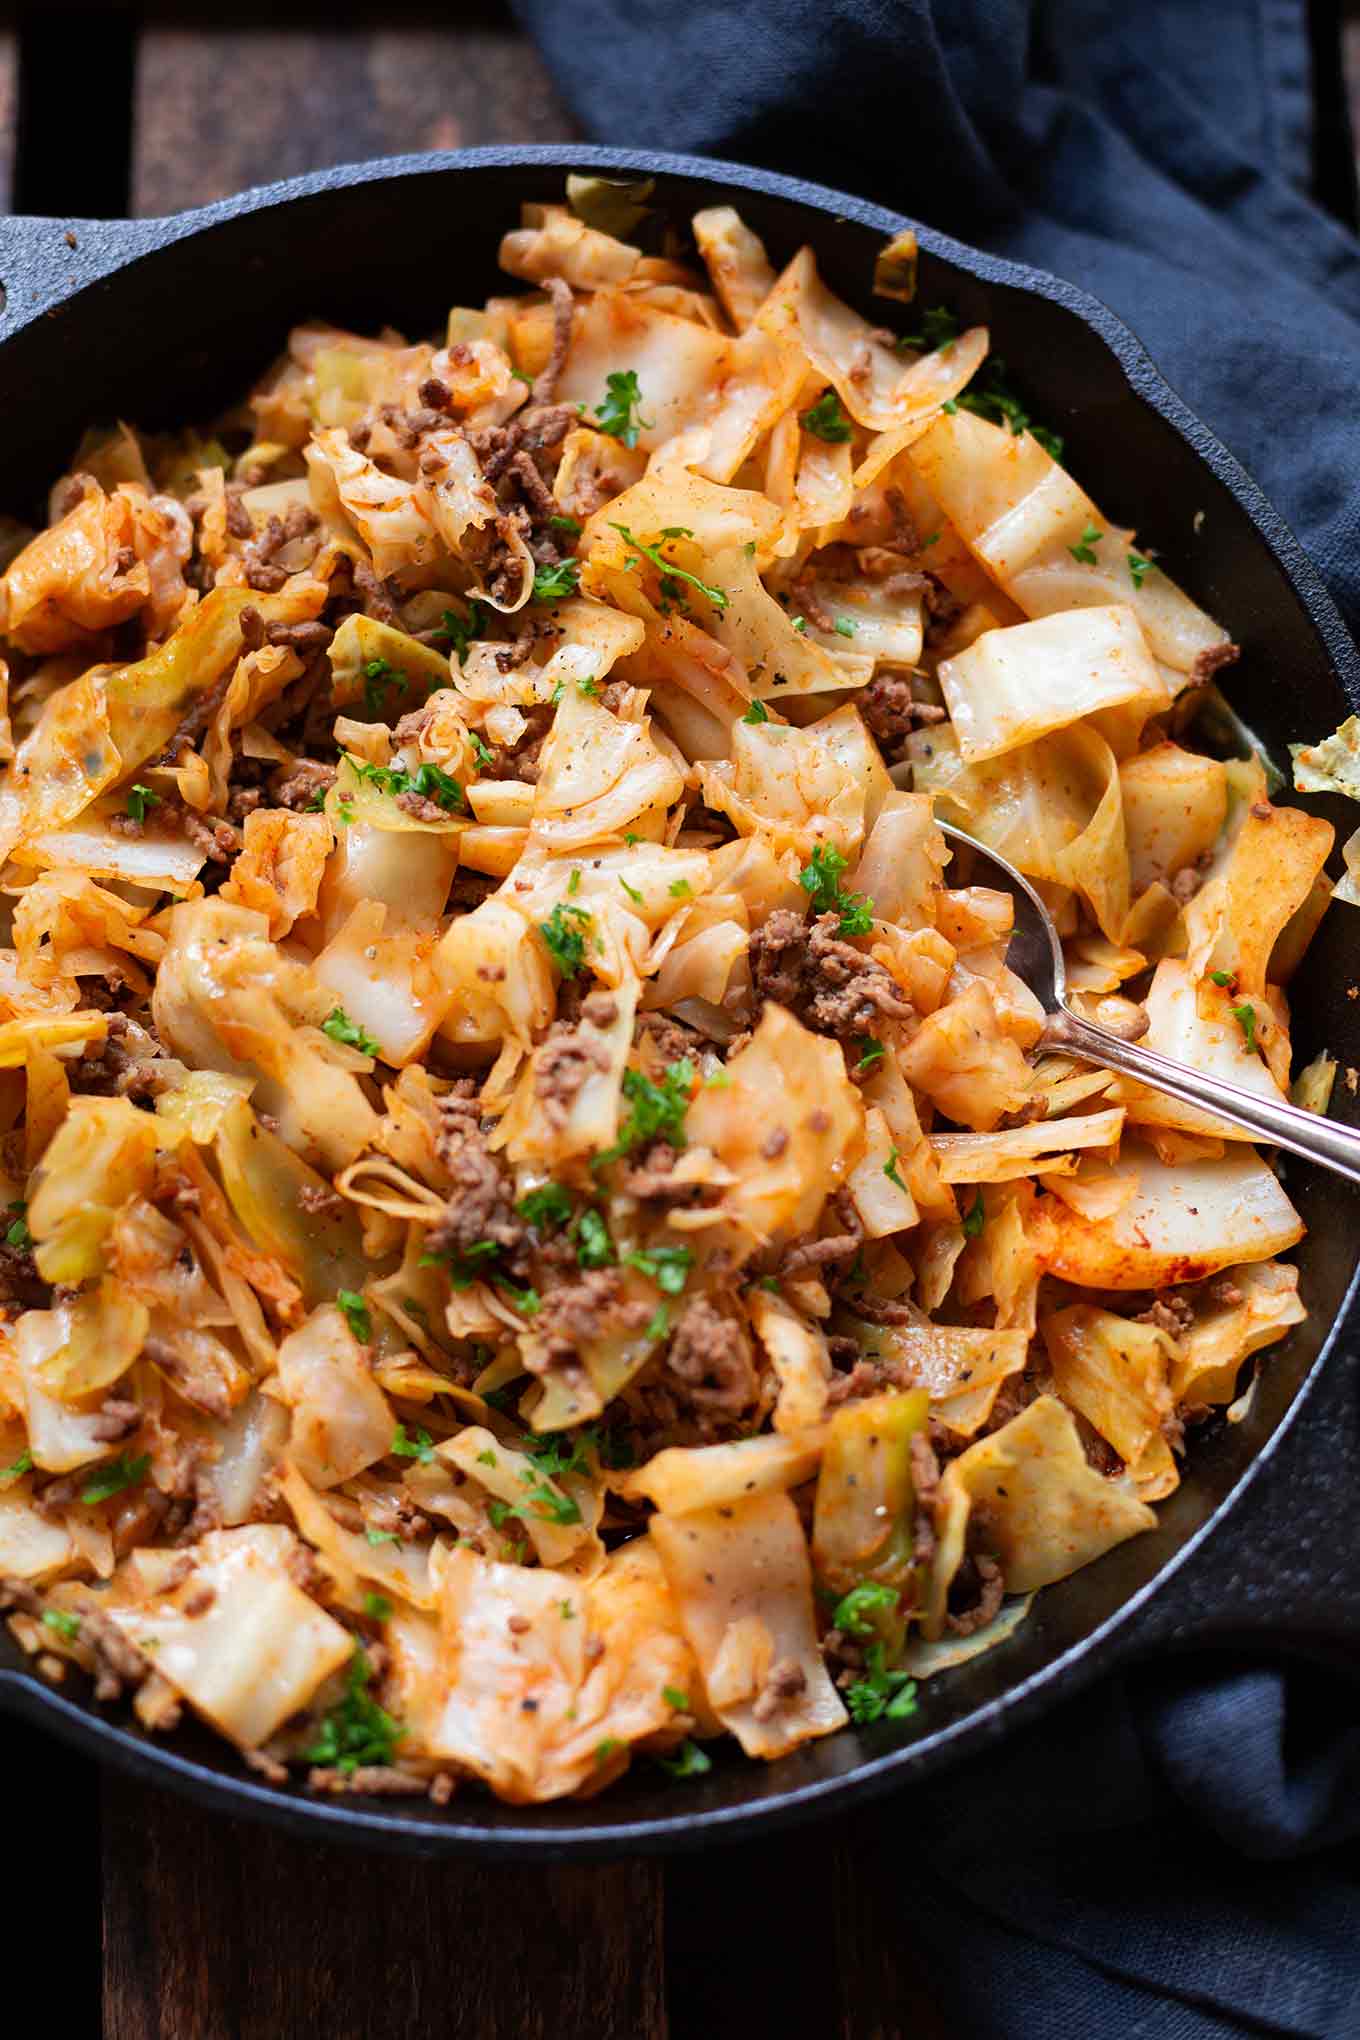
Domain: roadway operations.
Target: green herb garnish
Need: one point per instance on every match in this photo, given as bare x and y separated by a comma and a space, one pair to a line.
974, 1218
380, 677
756, 713
17, 1233
64, 1624
870, 1053
405, 1446
820, 879
620, 414
1245, 1016
892, 1172
552, 583
826, 420
341, 1028
356, 1314
594, 1248
1139, 568
668, 1267
1085, 549
689, 1761
657, 1110
671, 575
548, 1205
112, 1479
565, 932
460, 631
357, 1732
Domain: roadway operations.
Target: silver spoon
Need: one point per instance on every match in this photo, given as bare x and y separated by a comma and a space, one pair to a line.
1036, 955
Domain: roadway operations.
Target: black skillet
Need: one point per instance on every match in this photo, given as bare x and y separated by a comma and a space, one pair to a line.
163, 321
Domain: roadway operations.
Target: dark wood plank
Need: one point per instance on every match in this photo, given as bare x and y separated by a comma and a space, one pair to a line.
884, 1970
220, 1930
219, 108
749, 1947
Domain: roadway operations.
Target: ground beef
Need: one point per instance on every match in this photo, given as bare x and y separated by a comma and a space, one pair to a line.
296, 786
20, 1282
564, 307
831, 987
423, 810
892, 712
125, 1065
786, 1681
117, 1663
710, 1354
373, 597
1212, 660
520, 759
319, 1201
260, 555
119, 1418
975, 1594
564, 1062
581, 1309
832, 1254
481, 1201
1170, 1314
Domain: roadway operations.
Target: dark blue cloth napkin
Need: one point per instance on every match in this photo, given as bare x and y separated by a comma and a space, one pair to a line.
1172, 1858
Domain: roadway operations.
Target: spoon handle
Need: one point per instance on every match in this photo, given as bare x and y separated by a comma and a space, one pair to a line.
1304, 1133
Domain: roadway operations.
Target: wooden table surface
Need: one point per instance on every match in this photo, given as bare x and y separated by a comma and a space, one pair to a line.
178, 1925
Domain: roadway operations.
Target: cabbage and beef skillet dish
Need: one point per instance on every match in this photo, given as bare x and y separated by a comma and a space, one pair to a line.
541, 1228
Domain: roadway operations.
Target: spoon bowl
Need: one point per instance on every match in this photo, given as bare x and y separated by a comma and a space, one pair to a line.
1036, 956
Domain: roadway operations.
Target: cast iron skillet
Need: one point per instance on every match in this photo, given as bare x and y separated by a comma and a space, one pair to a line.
161, 321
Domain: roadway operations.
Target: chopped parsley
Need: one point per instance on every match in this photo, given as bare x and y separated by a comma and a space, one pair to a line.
620, 413
892, 1172
574, 882
673, 1697
429, 781
939, 328
820, 879
17, 1233
341, 1028
561, 522
357, 1731
853, 1613
460, 631
487, 1458
548, 1205
23, 1464
526, 1300
565, 932
634, 895
880, 1692
376, 1537
463, 1264
566, 1611
657, 1110
481, 751
680, 888
689, 1761
1139, 568
377, 1607
1224, 977
756, 713
64, 1624
671, 575
552, 583
870, 1053
1245, 1016
548, 1506
826, 420
139, 800
844, 627
668, 1267
112, 1479
974, 1218
605, 1750
380, 677
356, 1314
658, 1324
589, 686
990, 396
799, 623
769, 1282
594, 1248
420, 1446
1084, 551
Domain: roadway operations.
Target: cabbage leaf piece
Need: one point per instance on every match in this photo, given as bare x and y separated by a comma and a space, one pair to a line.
259, 1651
742, 1584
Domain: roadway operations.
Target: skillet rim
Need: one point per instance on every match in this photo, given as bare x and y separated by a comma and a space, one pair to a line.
41, 274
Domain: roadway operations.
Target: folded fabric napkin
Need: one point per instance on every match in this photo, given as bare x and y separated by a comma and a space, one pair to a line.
1168, 1858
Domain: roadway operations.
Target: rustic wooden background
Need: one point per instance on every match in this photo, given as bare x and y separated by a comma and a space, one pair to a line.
175, 1925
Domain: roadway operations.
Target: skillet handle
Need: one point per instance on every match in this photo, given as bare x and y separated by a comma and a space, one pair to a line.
1285, 1566
44, 261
